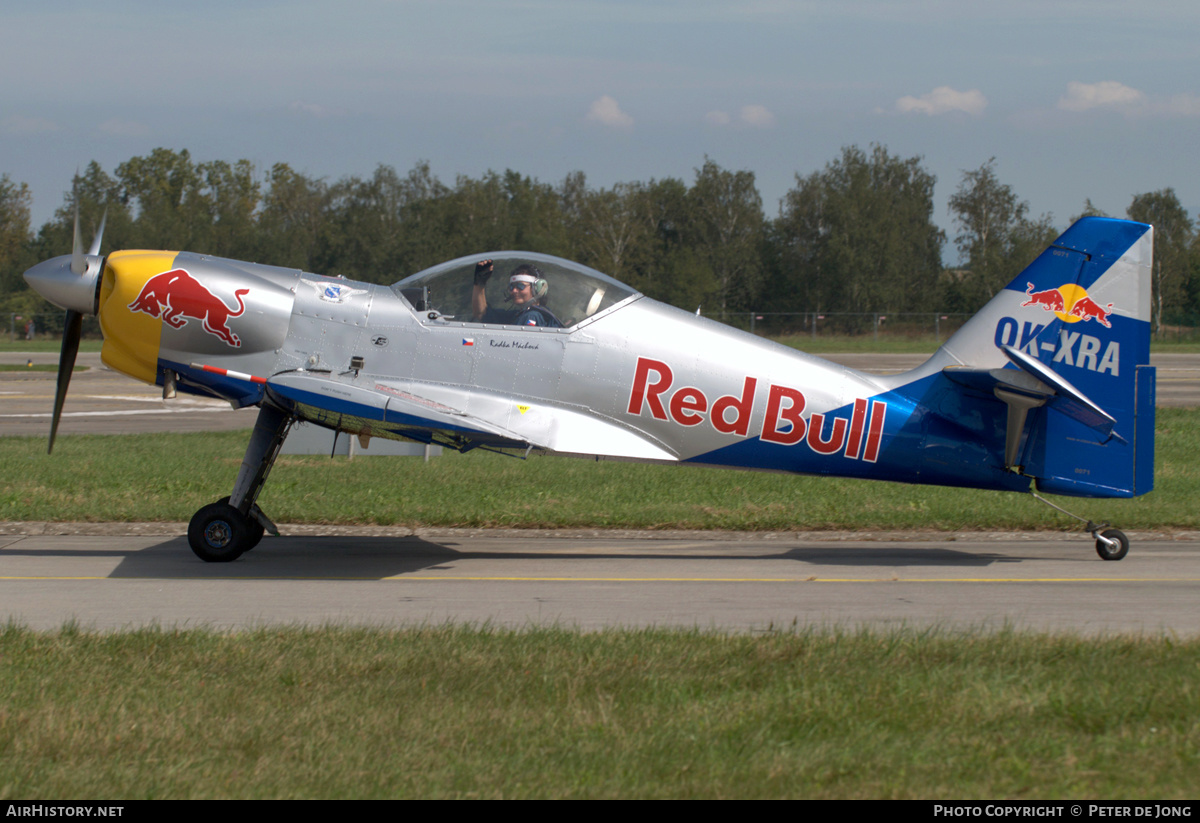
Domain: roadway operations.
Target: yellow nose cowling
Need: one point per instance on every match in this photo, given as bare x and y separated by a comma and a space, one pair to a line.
131, 338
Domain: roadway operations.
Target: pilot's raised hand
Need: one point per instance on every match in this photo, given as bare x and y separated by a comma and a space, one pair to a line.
483, 271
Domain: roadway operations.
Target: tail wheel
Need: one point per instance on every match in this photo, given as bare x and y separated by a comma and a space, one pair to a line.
219, 533
1112, 552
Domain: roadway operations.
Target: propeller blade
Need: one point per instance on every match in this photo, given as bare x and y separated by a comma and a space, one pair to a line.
78, 263
72, 331
95, 248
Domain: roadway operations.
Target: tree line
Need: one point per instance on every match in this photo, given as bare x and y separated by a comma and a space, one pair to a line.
856, 236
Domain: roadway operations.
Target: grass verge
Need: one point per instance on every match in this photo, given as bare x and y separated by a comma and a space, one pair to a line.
159, 477
470, 712
45, 344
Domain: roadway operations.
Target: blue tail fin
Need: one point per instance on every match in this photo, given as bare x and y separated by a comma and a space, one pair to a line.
1067, 346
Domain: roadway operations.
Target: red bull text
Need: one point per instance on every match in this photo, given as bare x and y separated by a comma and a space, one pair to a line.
858, 437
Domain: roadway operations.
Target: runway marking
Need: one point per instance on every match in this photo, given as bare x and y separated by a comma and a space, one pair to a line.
444, 579
181, 401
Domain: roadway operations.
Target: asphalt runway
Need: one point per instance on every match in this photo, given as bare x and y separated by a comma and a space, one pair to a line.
101, 401
741, 583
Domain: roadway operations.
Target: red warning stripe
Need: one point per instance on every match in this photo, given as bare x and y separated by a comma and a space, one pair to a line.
236, 375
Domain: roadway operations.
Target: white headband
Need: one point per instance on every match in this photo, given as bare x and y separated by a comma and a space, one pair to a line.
522, 278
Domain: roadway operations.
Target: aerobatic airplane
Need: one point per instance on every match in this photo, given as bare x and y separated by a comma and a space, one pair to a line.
1047, 388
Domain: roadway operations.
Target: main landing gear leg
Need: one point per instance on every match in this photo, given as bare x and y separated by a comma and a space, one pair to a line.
223, 531
1111, 544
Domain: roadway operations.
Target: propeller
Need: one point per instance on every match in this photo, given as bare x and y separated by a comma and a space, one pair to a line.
72, 283
79, 263
72, 331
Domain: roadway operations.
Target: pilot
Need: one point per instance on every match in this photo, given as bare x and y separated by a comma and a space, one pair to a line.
526, 291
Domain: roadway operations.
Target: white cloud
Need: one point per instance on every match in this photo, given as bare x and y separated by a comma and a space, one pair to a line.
20, 124
757, 116
1105, 94
717, 118
944, 99
123, 128
1115, 96
606, 112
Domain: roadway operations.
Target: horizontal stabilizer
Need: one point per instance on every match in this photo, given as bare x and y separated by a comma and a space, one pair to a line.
1070, 400
1041, 386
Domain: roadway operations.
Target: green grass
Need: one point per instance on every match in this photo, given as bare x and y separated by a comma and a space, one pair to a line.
44, 344
459, 712
1174, 346
169, 476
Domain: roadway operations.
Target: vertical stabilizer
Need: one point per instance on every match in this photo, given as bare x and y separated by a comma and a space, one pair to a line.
1077, 320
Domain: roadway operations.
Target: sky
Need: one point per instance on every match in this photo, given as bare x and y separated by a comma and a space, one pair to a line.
1075, 100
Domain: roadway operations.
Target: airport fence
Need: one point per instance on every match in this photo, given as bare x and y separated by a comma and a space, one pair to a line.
877, 325
938, 326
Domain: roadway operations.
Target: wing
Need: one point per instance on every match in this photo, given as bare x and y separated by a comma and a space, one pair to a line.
457, 417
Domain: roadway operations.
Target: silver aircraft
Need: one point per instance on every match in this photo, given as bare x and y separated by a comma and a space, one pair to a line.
1047, 388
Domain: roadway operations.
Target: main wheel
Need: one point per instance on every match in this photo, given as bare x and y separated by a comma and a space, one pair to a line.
218, 533
1107, 552
254, 529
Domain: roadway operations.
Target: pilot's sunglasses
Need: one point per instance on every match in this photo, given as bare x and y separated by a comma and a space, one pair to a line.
518, 286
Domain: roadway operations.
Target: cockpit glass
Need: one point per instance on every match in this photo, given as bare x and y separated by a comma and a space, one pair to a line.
572, 293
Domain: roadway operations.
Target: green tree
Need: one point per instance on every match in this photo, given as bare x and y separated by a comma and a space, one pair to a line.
364, 232
996, 238
165, 190
1090, 209
1173, 236
666, 262
859, 236
233, 194
725, 228
427, 238
606, 228
15, 248
293, 219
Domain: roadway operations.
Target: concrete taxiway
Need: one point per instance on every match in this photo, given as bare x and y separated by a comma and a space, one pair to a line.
726, 582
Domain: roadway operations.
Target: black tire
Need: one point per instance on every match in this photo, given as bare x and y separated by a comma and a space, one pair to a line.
218, 533
1120, 551
254, 529
255, 532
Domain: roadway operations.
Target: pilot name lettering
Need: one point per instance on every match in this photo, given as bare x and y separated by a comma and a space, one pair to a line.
856, 437
510, 344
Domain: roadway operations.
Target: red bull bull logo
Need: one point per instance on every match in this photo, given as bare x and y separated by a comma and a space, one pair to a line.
1071, 303
176, 296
